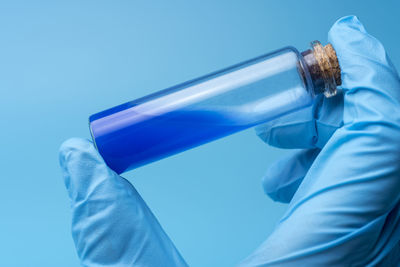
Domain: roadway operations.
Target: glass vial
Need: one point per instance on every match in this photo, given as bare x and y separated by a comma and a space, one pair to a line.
213, 106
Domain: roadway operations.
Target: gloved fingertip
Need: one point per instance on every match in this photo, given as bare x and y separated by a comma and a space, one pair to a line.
345, 31
285, 193
294, 130
350, 21
284, 176
363, 60
78, 154
355, 47
82, 167
277, 182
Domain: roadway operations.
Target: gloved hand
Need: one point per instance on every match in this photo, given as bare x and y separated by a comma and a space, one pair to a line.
344, 185
111, 224
343, 188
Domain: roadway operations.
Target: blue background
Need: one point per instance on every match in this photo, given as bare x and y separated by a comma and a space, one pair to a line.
61, 61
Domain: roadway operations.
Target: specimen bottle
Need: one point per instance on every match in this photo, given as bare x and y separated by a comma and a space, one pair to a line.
213, 106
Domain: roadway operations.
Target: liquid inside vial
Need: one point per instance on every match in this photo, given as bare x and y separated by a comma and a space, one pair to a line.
166, 133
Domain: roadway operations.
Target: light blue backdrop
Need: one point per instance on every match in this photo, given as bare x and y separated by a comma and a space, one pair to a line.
61, 61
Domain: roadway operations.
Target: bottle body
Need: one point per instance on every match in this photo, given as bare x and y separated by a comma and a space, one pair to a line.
202, 110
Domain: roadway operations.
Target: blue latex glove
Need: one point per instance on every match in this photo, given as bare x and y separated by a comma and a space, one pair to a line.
111, 224
343, 188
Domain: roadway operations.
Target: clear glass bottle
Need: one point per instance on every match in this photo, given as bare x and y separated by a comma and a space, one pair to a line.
213, 106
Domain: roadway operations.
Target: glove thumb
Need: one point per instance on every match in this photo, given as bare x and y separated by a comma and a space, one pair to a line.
83, 169
111, 224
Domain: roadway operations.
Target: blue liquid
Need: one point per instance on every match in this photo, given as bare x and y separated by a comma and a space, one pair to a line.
156, 137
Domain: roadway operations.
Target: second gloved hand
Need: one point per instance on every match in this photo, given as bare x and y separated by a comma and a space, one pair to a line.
111, 224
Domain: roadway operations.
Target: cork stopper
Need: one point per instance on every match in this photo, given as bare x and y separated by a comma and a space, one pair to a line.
324, 69
334, 62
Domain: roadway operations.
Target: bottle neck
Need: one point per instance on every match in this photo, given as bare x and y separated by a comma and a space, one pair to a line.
323, 67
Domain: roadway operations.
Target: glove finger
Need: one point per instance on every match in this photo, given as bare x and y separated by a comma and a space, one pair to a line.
284, 177
111, 224
308, 128
369, 77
